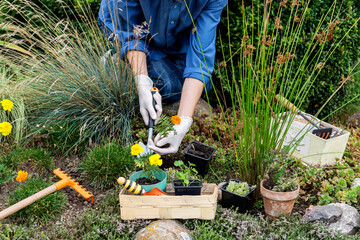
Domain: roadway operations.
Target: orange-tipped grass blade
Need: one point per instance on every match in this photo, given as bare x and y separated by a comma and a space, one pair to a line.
66, 180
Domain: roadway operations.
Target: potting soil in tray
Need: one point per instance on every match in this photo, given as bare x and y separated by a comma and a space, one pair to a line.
146, 181
200, 150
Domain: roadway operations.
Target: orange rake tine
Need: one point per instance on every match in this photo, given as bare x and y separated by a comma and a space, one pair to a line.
68, 181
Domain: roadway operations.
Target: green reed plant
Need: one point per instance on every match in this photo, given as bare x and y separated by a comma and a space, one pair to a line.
73, 77
265, 67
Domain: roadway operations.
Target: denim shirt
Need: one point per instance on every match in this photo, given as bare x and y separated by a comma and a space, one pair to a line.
162, 27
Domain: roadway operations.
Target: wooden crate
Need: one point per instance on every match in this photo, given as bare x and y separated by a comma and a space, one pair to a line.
170, 206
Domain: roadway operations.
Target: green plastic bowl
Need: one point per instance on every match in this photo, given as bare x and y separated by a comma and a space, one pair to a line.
161, 175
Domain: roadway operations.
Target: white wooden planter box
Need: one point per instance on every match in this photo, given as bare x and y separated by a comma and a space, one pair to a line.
312, 149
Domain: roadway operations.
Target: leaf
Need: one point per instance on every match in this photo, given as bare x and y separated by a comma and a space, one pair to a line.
178, 163
16, 48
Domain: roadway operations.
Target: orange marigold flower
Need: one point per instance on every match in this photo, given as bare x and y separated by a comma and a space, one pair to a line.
176, 119
22, 175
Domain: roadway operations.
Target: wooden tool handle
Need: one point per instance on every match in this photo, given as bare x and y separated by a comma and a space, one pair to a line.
287, 103
26, 202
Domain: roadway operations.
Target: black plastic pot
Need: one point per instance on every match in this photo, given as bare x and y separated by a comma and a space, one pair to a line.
201, 163
194, 187
230, 199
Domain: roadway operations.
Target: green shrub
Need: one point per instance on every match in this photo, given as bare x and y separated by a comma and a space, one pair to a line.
104, 164
338, 64
6, 174
43, 209
38, 157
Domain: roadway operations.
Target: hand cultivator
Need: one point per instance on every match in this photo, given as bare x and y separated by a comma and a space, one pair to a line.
65, 181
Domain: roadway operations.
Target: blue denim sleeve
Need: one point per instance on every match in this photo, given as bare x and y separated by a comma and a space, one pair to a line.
126, 20
200, 58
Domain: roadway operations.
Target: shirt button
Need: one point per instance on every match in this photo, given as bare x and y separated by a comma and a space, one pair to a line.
172, 22
175, 6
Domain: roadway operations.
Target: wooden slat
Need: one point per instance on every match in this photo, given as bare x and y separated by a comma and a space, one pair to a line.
170, 207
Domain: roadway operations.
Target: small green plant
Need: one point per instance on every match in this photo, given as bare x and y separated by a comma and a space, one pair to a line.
6, 174
104, 164
166, 124
280, 177
240, 188
186, 173
46, 208
38, 157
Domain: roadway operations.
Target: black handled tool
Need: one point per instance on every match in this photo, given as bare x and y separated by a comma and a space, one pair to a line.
320, 132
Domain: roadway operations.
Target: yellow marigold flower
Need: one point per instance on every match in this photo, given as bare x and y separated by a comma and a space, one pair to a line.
5, 128
136, 149
156, 160
7, 104
176, 119
22, 175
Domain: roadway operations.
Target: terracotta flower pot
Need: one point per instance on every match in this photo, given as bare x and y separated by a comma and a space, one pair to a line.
277, 204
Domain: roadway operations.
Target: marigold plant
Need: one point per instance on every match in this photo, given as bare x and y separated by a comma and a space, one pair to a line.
22, 176
5, 127
150, 163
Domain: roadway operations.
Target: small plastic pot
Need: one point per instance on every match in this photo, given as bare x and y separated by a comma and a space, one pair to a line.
194, 187
230, 199
201, 163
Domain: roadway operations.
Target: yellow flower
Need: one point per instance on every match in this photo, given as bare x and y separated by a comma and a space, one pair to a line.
136, 149
156, 160
176, 119
22, 175
5, 128
7, 104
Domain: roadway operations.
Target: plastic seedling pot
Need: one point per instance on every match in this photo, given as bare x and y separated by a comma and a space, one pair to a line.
200, 155
194, 187
230, 199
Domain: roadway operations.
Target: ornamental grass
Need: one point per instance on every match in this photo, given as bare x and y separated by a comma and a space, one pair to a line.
73, 81
260, 67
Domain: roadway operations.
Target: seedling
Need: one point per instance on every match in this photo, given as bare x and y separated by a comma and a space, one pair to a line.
186, 173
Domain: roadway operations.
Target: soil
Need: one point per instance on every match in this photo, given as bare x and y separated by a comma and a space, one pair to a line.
146, 181
200, 150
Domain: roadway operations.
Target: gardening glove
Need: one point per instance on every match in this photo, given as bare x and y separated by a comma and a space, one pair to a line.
144, 84
174, 140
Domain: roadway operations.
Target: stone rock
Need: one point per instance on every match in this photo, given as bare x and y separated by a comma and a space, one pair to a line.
356, 182
325, 214
164, 229
354, 120
347, 224
202, 108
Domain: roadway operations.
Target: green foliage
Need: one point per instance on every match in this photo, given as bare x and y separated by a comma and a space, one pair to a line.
6, 174
329, 184
240, 188
104, 164
280, 177
228, 224
186, 172
339, 61
47, 208
164, 126
37, 157
73, 78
